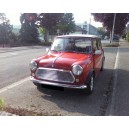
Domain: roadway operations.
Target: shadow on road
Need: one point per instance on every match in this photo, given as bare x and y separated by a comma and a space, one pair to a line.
76, 101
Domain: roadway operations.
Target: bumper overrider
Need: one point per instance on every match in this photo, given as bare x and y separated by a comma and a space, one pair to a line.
58, 84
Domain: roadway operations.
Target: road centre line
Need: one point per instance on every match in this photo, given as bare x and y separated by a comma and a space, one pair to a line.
14, 85
116, 66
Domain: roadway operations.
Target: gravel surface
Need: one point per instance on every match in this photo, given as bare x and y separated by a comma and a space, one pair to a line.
3, 113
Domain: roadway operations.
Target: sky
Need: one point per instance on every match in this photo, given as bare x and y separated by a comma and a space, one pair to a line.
78, 17
82, 17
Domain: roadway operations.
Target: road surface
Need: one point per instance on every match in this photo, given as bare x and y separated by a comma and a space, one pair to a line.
19, 92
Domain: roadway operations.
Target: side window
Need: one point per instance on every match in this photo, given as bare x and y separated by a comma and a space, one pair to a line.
83, 45
99, 44
96, 44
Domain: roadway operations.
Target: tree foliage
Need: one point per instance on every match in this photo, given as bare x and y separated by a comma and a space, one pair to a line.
107, 20
5, 29
29, 32
127, 36
52, 22
102, 31
49, 22
66, 24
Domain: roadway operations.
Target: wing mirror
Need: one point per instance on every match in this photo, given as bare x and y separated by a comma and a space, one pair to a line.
47, 49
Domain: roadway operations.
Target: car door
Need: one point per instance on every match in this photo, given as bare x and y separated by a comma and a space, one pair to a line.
98, 55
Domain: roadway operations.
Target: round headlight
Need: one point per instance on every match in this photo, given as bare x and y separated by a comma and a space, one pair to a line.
33, 65
77, 69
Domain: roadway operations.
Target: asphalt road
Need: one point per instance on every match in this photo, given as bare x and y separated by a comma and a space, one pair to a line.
14, 65
19, 92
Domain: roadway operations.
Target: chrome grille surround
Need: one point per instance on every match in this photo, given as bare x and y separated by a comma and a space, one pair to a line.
57, 75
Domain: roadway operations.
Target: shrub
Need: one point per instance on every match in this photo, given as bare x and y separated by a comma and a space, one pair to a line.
127, 36
1, 103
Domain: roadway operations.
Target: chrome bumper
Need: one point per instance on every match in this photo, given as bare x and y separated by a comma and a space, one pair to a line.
58, 84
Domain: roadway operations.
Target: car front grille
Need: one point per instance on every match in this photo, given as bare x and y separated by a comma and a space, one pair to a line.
55, 75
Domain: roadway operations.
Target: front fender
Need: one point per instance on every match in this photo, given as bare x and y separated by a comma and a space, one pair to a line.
91, 72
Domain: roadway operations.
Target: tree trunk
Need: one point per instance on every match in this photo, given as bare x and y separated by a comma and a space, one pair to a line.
110, 38
46, 35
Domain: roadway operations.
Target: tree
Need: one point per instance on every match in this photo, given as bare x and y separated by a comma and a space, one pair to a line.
49, 21
107, 20
66, 24
5, 29
102, 32
29, 32
127, 36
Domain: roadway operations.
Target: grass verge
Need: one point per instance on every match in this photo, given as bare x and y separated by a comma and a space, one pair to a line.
26, 112
113, 45
2, 103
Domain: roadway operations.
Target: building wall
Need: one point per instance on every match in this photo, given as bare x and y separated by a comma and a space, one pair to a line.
88, 28
93, 30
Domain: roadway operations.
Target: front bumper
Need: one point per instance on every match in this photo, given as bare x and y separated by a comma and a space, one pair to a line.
58, 84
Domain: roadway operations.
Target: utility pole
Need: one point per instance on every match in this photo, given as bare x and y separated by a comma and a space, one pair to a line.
88, 26
113, 28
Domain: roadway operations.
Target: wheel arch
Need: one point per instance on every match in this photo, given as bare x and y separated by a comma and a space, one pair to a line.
91, 72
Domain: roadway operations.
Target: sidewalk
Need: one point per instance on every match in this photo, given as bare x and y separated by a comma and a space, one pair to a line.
121, 91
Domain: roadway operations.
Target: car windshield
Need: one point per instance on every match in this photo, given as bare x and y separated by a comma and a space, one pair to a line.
72, 44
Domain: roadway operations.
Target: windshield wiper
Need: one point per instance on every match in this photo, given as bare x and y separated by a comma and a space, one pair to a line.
69, 51
76, 52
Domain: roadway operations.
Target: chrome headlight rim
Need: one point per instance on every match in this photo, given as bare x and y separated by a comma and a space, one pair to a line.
77, 69
33, 65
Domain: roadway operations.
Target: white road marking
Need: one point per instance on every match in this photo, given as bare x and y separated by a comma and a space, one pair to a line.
116, 66
9, 54
14, 85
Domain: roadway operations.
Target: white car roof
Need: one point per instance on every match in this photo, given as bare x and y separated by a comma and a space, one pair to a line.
78, 35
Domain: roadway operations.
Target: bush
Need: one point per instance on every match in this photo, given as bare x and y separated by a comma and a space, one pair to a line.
127, 36
1, 103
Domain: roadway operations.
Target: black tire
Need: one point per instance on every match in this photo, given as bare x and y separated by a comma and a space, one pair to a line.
90, 85
37, 84
102, 67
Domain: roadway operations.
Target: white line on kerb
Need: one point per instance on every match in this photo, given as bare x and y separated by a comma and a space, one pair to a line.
14, 85
116, 66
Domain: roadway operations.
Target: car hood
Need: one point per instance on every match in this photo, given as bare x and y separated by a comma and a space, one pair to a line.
62, 60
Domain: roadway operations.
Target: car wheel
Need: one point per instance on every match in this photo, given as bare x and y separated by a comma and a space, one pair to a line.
102, 67
36, 84
90, 85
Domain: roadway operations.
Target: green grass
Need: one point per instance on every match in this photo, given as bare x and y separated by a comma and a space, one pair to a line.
112, 45
2, 103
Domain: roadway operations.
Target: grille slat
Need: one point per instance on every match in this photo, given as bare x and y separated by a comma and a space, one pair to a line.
55, 75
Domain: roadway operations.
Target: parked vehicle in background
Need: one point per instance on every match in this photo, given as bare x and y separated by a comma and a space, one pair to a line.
116, 38
72, 62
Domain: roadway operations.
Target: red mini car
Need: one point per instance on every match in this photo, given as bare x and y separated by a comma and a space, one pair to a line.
72, 62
